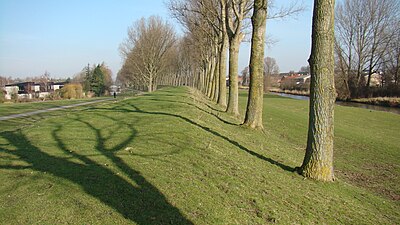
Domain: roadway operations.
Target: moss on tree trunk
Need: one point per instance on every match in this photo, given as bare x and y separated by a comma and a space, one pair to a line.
233, 102
318, 160
222, 62
254, 108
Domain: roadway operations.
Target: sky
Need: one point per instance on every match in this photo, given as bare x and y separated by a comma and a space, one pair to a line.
63, 36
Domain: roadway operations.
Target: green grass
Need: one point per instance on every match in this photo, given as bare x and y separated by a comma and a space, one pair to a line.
172, 157
10, 108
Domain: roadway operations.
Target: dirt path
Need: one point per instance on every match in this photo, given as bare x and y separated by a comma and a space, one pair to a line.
14, 116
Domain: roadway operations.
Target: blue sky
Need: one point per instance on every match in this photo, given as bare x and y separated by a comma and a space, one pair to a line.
62, 36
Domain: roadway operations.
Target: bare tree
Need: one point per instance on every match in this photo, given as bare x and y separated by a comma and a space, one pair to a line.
146, 49
270, 68
5, 80
364, 30
383, 14
254, 108
107, 76
305, 69
245, 76
318, 160
208, 17
392, 59
236, 12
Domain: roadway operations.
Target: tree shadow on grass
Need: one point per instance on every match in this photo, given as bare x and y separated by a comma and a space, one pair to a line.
141, 203
235, 143
197, 107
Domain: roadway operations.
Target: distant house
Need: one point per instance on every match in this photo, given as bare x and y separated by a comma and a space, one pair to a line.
240, 80
10, 90
295, 82
376, 79
24, 89
31, 89
56, 86
303, 79
288, 79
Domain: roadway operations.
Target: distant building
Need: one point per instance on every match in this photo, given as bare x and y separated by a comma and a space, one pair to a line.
115, 89
10, 90
303, 79
31, 90
295, 82
54, 86
376, 79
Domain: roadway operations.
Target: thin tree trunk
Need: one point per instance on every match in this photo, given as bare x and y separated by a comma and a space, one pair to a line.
318, 160
211, 78
150, 86
222, 60
254, 108
216, 80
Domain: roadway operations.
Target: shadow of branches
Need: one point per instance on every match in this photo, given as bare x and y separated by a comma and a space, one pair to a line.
141, 203
209, 130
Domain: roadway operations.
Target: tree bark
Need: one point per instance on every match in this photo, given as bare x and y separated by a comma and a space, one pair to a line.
318, 160
254, 108
233, 102
150, 85
222, 59
216, 80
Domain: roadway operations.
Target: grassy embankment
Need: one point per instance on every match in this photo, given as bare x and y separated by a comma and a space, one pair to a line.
174, 157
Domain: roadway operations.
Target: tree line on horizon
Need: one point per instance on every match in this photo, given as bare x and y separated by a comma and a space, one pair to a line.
154, 55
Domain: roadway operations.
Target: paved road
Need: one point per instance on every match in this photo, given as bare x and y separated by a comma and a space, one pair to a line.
51, 109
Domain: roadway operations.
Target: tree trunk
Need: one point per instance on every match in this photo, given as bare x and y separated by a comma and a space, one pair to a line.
233, 102
150, 85
222, 61
254, 108
318, 160
216, 81
211, 78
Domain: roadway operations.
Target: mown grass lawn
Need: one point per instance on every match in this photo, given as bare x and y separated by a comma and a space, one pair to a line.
10, 108
173, 157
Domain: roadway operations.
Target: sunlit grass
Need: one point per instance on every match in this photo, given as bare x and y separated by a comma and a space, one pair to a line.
173, 157
10, 108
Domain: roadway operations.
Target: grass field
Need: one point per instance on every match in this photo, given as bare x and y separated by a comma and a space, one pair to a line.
173, 157
10, 108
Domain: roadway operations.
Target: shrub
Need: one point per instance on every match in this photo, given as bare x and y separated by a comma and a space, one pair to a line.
14, 97
2, 96
72, 91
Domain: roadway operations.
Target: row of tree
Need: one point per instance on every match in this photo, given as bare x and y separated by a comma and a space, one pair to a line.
153, 55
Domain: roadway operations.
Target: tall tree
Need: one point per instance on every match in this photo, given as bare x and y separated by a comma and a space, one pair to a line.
97, 81
364, 30
245, 76
147, 48
270, 68
383, 14
208, 18
107, 73
254, 108
236, 12
318, 160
